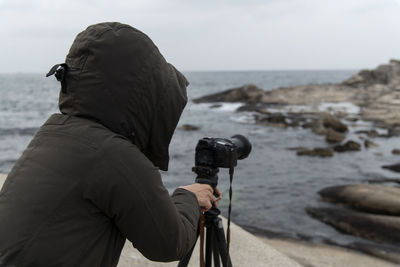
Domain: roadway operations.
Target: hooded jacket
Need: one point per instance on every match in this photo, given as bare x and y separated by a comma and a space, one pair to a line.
89, 179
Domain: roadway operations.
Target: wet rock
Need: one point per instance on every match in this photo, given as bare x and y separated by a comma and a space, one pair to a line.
394, 131
272, 119
396, 151
276, 118
216, 106
251, 108
369, 144
386, 252
298, 148
189, 127
371, 198
316, 152
370, 133
318, 128
378, 154
348, 146
246, 93
351, 119
383, 180
380, 228
330, 121
394, 167
334, 137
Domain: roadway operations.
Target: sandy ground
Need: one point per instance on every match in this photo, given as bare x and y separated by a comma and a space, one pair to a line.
250, 250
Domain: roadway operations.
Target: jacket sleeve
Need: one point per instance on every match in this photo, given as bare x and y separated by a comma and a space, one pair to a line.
128, 189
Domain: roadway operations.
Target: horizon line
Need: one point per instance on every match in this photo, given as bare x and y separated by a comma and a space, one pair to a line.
218, 70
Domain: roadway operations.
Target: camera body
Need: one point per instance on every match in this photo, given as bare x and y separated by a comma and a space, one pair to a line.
214, 153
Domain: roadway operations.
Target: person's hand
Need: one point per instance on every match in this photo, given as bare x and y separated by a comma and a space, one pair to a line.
204, 194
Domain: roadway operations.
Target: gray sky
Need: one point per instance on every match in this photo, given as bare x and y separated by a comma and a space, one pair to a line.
211, 34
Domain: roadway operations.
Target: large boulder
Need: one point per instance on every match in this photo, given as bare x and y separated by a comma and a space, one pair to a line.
366, 197
380, 228
247, 93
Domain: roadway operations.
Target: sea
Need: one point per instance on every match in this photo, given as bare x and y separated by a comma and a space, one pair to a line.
271, 188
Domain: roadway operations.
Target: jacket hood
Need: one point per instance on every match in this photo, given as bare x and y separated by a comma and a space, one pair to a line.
117, 77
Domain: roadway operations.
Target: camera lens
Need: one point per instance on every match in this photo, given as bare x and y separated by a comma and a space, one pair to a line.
242, 144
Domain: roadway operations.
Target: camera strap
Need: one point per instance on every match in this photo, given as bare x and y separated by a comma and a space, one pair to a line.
228, 230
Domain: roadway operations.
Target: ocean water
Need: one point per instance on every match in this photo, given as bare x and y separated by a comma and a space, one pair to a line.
271, 187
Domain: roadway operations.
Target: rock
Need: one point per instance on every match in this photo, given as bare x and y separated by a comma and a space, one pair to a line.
246, 93
189, 127
348, 146
351, 119
389, 253
369, 133
378, 154
272, 119
318, 128
298, 148
376, 91
316, 152
216, 106
371, 198
334, 137
396, 151
369, 144
394, 167
386, 74
383, 180
380, 228
330, 121
251, 108
394, 131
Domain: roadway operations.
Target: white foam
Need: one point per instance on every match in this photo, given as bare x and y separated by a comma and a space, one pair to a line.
347, 107
219, 106
245, 117
228, 106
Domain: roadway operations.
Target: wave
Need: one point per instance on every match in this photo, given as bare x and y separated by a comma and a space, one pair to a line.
18, 131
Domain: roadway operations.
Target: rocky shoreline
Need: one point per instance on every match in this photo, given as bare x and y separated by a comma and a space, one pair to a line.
370, 211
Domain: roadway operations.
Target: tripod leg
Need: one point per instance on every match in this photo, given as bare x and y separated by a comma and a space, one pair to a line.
209, 244
185, 261
220, 236
215, 250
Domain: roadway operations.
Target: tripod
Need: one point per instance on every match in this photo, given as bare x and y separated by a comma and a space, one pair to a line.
216, 246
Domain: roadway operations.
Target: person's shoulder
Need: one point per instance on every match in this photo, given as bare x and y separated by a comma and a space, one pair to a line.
122, 151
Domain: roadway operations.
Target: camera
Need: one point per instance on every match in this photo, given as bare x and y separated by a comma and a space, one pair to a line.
214, 153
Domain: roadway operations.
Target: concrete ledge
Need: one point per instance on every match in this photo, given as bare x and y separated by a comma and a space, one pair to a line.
246, 250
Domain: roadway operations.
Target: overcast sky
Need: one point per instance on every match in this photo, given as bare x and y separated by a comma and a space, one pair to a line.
211, 34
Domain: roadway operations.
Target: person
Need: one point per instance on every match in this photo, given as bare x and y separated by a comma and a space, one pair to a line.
90, 177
